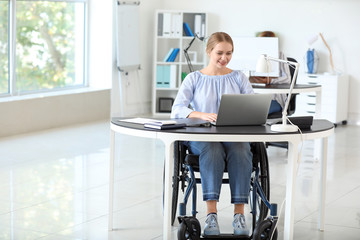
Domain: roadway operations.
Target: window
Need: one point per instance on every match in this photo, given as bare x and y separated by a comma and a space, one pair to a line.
4, 47
49, 45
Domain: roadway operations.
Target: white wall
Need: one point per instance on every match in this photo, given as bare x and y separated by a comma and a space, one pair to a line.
136, 86
294, 21
100, 43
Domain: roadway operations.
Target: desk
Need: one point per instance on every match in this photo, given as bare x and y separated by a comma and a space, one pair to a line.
298, 88
321, 129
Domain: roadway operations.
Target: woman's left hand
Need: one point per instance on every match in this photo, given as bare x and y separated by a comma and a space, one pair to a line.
254, 79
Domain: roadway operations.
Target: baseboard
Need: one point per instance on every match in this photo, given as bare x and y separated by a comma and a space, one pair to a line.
35, 114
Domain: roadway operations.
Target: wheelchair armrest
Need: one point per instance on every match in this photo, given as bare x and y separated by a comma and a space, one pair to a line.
192, 160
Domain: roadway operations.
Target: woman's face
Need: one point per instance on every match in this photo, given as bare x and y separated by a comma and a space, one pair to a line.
221, 54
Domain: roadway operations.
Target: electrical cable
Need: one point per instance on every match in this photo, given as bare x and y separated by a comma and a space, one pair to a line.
297, 164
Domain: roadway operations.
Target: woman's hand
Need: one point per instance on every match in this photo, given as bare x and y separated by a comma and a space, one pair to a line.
254, 79
211, 117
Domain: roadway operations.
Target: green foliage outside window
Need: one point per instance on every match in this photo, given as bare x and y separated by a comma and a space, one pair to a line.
49, 45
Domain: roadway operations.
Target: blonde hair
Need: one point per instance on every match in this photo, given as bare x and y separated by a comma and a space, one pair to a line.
216, 38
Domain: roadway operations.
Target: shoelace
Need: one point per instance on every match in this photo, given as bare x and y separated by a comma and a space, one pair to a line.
211, 221
239, 221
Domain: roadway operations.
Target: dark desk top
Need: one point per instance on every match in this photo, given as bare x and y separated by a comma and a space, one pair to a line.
319, 125
285, 86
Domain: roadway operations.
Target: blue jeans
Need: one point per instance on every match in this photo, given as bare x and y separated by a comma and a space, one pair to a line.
212, 159
275, 107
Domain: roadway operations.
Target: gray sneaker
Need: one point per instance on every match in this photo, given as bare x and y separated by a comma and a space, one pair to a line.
211, 225
239, 225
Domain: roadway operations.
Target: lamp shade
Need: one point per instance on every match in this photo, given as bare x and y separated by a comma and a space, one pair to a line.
313, 39
263, 64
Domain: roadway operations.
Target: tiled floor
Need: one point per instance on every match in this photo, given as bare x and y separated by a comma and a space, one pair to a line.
54, 185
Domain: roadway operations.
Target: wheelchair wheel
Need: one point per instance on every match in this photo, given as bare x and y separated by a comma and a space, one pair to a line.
260, 161
262, 231
189, 230
175, 183
264, 179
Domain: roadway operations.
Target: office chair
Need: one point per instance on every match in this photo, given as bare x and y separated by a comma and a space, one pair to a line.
185, 166
290, 111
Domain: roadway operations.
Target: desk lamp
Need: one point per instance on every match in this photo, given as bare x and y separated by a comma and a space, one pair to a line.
191, 69
263, 65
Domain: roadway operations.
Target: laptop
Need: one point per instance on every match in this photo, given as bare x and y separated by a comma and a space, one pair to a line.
243, 109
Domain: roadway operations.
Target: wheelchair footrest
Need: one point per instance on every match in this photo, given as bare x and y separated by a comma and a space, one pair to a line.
226, 236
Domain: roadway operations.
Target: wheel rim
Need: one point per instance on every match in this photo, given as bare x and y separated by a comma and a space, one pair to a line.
184, 232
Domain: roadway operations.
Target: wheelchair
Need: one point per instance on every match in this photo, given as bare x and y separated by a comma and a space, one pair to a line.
185, 166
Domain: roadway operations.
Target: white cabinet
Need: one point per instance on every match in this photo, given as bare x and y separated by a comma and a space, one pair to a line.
171, 36
334, 97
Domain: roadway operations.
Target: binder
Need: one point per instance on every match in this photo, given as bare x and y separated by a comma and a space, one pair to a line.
197, 25
173, 55
202, 34
168, 55
160, 24
159, 76
202, 30
187, 30
166, 77
172, 76
176, 25
166, 25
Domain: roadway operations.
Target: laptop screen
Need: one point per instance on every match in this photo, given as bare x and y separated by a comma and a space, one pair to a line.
243, 109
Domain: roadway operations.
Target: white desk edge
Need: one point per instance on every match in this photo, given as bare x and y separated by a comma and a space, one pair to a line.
295, 90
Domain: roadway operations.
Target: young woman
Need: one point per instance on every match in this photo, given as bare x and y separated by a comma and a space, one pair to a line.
199, 97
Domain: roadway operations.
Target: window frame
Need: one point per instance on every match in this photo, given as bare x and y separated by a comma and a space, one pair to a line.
12, 90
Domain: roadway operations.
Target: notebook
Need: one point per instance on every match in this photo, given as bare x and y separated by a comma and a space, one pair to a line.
243, 109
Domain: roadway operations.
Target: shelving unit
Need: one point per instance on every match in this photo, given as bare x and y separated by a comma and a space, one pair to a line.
168, 76
334, 97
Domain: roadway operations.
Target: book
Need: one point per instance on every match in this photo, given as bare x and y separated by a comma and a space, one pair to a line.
168, 55
173, 55
160, 122
164, 126
187, 30
139, 120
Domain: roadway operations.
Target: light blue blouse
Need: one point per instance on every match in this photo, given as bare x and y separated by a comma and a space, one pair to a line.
203, 92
